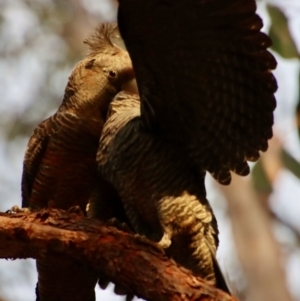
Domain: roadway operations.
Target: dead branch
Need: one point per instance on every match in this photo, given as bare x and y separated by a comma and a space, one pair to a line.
127, 260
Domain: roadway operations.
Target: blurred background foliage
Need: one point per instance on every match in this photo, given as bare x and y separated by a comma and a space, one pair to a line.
283, 42
40, 42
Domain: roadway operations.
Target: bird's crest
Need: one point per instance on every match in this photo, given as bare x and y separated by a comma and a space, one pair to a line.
102, 39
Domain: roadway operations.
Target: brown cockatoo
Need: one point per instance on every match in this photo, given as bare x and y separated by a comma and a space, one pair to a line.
60, 169
205, 103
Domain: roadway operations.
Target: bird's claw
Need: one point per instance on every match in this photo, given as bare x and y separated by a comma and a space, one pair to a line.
165, 241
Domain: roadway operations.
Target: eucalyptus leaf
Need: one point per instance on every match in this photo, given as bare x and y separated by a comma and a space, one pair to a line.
283, 42
290, 163
260, 180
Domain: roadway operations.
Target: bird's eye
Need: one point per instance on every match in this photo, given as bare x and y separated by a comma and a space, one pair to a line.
112, 74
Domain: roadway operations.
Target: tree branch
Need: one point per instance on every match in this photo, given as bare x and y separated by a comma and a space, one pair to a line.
127, 260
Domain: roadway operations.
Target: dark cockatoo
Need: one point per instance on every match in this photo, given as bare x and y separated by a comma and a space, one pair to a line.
205, 103
60, 169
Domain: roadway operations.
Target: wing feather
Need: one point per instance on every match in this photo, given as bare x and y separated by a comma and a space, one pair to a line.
33, 157
204, 77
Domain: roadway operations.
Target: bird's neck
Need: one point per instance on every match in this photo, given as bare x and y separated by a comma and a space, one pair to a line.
83, 107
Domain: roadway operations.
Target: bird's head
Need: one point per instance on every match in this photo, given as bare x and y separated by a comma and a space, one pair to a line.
100, 76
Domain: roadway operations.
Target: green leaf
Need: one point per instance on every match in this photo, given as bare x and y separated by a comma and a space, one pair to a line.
283, 42
298, 107
290, 163
260, 180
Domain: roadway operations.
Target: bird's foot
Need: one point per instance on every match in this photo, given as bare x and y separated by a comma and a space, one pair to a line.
165, 241
17, 209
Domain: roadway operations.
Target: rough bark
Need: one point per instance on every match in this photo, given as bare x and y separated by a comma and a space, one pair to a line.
128, 260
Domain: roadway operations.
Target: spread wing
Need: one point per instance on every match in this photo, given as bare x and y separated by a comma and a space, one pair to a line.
33, 156
204, 78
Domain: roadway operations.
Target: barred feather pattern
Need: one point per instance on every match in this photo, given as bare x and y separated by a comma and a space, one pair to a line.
67, 171
60, 169
204, 77
60, 162
186, 215
163, 196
